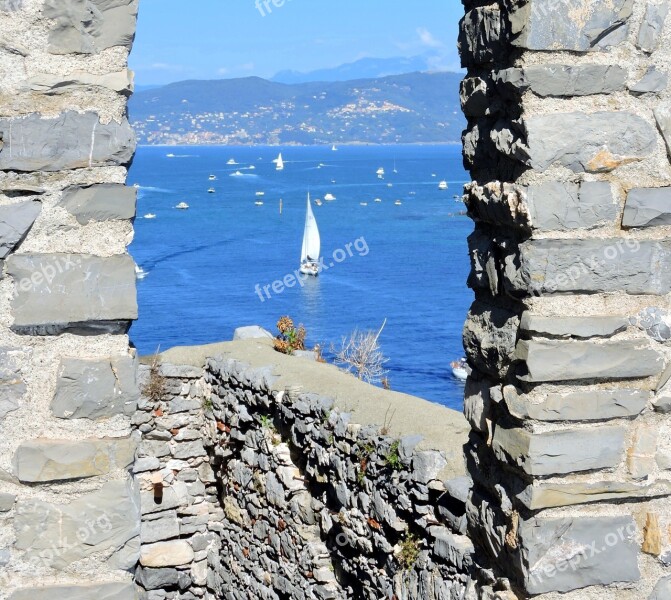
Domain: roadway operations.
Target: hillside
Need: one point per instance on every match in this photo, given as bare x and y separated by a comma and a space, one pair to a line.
411, 108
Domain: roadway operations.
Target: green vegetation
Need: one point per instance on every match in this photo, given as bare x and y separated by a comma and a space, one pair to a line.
409, 551
393, 457
290, 338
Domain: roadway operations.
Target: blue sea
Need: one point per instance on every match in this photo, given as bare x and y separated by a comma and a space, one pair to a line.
207, 267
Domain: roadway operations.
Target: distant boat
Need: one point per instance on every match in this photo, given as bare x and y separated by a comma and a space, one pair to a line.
231, 161
380, 172
211, 191
279, 163
329, 197
251, 167
237, 174
395, 171
150, 216
390, 185
171, 155
333, 180
460, 369
258, 203
398, 203
334, 149
213, 177
136, 186
433, 175
140, 273
260, 193
363, 203
182, 206
318, 202
413, 193
311, 244
378, 199
442, 185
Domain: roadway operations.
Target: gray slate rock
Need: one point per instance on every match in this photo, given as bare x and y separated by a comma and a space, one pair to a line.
557, 360
662, 590
36, 143
655, 322
156, 579
57, 293
556, 80
90, 26
46, 83
599, 142
95, 389
593, 405
43, 460
480, 36
103, 202
580, 327
647, 207
651, 28
11, 5
575, 25
558, 555
7, 502
589, 266
105, 591
652, 81
15, 223
558, 452
110, 517
663, 117
12, 386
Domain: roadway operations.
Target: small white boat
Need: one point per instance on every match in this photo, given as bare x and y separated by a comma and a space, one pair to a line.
171, 155
260, 194
140, 273
333, 180
258, 203
231, 161
413, 193
380, 172
460, 369
390, 185
213, 178
334, 149
182, 206
363, 203
251, 167
318, 202
150, 216
311, 244
136, 186
237, 174
442, 185
378, 200
398, 203
433, 175
211, 191
329, 197
279, 163
395, 170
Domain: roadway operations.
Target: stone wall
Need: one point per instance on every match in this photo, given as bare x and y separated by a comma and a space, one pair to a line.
69, 510
254, 488
568, 144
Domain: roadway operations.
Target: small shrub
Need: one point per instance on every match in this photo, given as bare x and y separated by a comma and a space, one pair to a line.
409, 551
155, 388
208, 404
267, 422
393, 457
361, 354
290, 338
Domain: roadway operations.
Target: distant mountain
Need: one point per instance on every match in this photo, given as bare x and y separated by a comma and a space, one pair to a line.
365, 68
410, 108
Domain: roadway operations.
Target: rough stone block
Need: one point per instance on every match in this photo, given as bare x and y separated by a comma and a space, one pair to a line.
90, 26
581, 327
104, 591
159, 530
69, 141
593, 405
103, 202
106, 521
7, 502
558, 80
480, 36
599, 142
251, 332
663, 117
120, 82
651, 28
15, 223
574, 25
166, 554
157, 579
59, 460
95, 389
589, 266
57, 293
557, 360
647, 207
557, 452
564, 554
653, 81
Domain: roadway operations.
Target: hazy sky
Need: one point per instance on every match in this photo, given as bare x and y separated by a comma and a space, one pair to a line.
214, 39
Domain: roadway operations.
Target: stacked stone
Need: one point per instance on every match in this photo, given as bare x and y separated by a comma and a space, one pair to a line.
319, 507
568, 144
69, 517
181, 515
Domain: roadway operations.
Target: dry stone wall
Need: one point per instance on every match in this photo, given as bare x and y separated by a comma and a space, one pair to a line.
568, 144
69, 508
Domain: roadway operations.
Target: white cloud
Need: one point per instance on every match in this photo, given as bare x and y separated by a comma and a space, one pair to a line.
427, 39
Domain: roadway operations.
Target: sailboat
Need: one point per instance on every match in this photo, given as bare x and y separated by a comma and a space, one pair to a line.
279, 163
334, 148
311, 244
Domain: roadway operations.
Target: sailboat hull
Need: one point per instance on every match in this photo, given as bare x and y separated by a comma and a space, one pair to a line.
310, 269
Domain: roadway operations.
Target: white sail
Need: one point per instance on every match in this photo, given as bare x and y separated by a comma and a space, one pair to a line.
311, 239
280, 163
